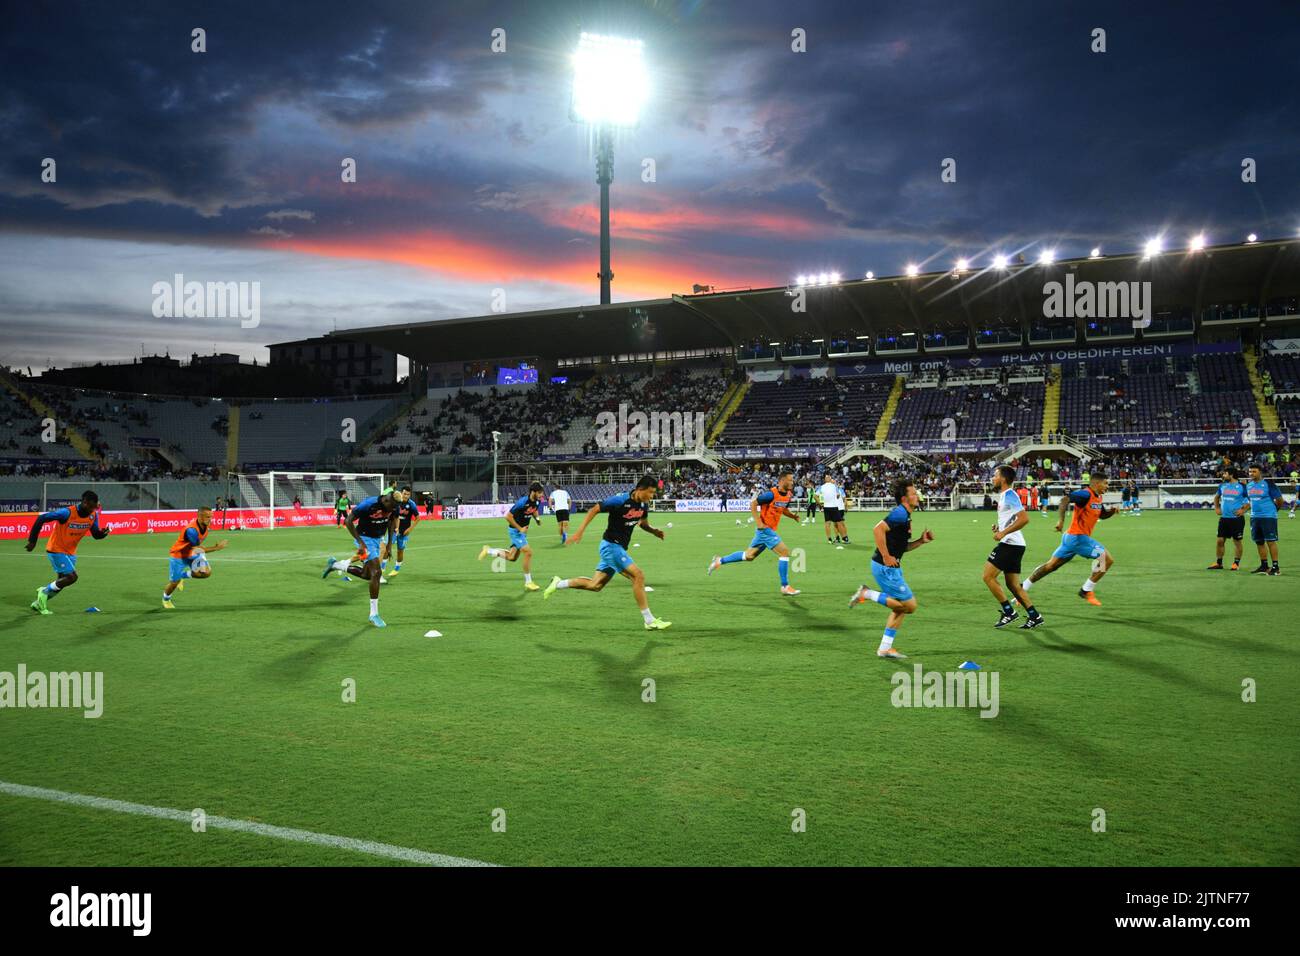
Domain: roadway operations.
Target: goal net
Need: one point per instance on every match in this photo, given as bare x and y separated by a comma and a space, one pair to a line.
113, 495
269, 500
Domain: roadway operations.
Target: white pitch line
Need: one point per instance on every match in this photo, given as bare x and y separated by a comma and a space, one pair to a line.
406, 854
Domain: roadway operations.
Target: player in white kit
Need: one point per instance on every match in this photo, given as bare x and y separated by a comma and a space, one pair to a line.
832, 497
560, 507
1010, 550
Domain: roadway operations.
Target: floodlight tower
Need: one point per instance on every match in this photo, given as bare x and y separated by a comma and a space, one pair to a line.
609, 89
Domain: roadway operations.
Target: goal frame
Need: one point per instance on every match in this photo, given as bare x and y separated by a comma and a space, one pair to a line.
324, 476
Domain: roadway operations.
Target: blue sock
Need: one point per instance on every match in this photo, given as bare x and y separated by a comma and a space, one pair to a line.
883, 600
890, 632
783, 566
564, 536
734, 557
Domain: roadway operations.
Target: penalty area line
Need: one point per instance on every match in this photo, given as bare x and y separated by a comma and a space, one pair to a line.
387, 850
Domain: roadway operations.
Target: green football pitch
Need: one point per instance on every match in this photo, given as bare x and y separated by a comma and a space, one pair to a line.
524, 734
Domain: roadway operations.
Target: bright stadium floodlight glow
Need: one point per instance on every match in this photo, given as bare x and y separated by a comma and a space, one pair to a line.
610, 83
1096, 253
913, 269
801, 281
1154, 246
1047, 257
870, 275
963, 265
999, 261
835, 278
823, 278
1197, 242
1252, 238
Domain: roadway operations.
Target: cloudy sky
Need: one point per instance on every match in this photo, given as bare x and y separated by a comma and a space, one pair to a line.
225, 165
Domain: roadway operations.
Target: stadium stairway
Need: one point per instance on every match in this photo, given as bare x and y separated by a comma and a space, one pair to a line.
78, 441
891, 406
1267, 413
1052, 402
232, 438
728, 406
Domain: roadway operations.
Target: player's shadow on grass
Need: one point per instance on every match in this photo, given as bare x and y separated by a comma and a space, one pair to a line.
297, 665
504, 608
1151, 668
1197, 637
622, 678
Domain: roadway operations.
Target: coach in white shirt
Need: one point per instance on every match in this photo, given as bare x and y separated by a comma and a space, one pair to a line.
832, 496
560, 506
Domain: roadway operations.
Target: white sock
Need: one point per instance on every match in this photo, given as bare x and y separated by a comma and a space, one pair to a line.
341, 564
561, 584
528, 578
873, 595
886, 642
647, 615
1089, 584
374, 607
166, 596
1027, 584
53, 586
495, 552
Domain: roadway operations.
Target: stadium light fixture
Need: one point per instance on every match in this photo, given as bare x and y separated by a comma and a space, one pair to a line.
962, 265
1096, 253
1197, 243
870, 275
1154, 246
835, 278
913, 270
1047, 257
610, 87
999, 261
801, 281
1252, 238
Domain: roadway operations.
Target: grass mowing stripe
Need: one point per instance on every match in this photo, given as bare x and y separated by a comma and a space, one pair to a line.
388, 850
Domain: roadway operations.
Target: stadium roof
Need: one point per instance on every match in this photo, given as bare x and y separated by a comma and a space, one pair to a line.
983, 298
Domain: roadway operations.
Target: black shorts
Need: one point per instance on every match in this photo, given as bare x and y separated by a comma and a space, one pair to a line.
834, 515
562, 514
1006, 557
1232, 528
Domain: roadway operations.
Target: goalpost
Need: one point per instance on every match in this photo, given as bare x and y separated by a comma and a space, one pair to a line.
273, 493
113, 495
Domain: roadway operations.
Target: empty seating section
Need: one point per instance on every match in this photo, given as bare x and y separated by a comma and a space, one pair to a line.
290, 431
1205, 392
809, 411
544, 419
986, 410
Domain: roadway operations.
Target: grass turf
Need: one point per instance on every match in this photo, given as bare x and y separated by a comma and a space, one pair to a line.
233, 703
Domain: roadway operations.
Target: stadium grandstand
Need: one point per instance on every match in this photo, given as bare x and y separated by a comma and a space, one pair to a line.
938, 374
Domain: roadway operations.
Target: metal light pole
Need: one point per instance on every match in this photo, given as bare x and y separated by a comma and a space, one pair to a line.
496, 442
604, 176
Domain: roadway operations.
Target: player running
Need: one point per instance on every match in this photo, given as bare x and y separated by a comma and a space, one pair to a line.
408, 513
767, 509
892, 536
832, 497
369, 523
1078, 541
71, 525
188, 556
526, 509
626, 511
1265, 499
560, 502
1013, 515
1230, 504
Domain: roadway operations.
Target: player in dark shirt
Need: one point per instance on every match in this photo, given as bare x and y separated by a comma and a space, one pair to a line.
626, 511
526, 509
893, 540
408, 513
371, 523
